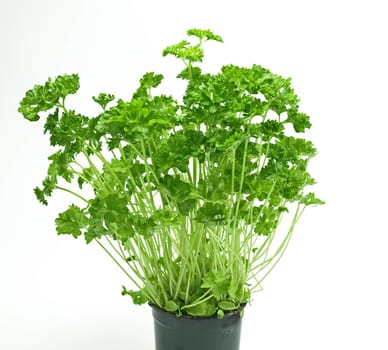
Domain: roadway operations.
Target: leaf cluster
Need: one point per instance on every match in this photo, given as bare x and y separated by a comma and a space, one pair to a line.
186, 195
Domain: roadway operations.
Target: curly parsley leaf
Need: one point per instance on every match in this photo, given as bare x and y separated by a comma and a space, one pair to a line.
44, 97
206, 34
103, 99
218, 282
311, 199
300, 121
72, 221
138, 297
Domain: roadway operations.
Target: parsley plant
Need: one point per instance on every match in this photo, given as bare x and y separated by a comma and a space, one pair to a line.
185, 197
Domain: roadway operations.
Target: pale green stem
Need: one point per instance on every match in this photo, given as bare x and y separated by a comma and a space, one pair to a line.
71, 192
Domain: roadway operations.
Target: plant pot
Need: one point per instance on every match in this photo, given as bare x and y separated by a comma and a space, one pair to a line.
196, 333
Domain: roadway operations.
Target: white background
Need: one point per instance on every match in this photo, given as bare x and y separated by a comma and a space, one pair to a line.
329, 291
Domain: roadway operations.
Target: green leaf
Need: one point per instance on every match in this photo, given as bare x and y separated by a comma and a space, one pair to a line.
176, 49
180, 192
103, 99
41, 195
271, 128
191, 53
138, 297
192, 73
204, 34
86, 176
204, 309
227, 305
151, 80
185, 51
67, 84
237, 291
310, 199
147, 82
48, 186
211, 213
220, 314
44, 97
218, 282
59, 166
72, 221
171, 306
300, 121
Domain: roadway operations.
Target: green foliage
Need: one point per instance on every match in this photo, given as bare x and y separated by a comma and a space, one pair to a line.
227, 305
217, 282
204, 34
138, 297
103, 99
71, 221
206, 308
171, 306
44, 97
185, 196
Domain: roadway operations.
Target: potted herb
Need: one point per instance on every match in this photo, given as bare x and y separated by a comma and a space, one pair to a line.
185, 195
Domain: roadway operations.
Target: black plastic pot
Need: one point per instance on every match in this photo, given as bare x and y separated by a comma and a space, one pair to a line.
196, 333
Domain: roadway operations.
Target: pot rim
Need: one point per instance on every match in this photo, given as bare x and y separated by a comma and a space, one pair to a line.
227, 313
